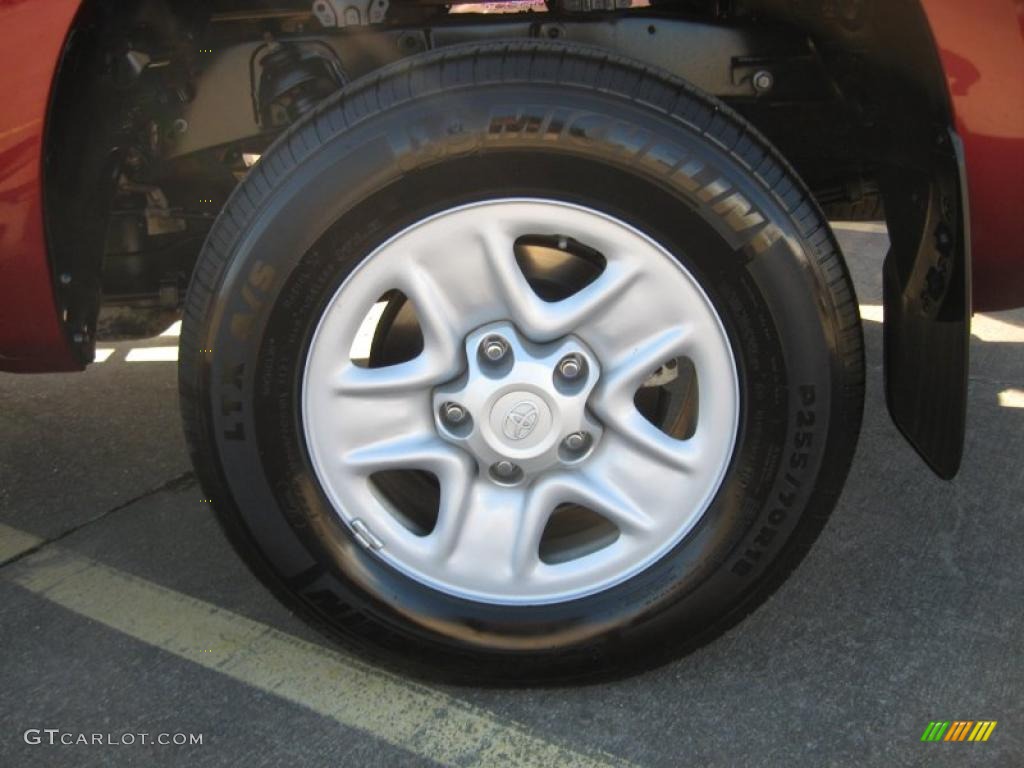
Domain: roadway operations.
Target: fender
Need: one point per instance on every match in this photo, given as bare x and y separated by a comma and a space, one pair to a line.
980, 45
33, 335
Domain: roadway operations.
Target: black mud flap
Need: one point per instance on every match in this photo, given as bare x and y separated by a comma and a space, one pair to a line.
927, 296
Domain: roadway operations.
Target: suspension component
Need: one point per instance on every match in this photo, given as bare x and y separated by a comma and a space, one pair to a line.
350, 13
293, 78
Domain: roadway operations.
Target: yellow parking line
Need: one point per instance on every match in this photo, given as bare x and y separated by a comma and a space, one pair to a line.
14, 542
409, 715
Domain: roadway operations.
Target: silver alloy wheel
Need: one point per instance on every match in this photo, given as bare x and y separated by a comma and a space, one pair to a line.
499, 455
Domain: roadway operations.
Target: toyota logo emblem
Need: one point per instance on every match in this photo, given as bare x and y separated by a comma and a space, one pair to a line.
520, 420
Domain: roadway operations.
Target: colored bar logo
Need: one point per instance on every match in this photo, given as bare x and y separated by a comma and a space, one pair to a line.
958, 730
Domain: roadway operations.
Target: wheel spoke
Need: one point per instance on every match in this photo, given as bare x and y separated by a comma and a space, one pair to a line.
521, 303
495, 534
547, 320
440, 316
457, 487
416, 376
681, 455
622, 325
416, 449
599, 297
613, 398
628, 482
624, 374
451, 281
597, 491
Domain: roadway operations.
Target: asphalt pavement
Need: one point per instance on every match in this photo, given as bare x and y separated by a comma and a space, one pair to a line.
124, 612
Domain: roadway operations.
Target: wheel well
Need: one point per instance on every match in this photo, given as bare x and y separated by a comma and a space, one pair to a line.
159, 108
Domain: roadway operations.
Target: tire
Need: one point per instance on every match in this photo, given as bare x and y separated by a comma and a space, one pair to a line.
511, 124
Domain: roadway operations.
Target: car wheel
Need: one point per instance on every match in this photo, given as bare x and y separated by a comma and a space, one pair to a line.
522, 362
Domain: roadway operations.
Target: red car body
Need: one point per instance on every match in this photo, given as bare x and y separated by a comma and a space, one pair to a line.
980, 43
31, 337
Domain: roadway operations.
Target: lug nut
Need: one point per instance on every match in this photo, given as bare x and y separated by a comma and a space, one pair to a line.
577, 441
494, 348
570, 366
504, 469
453, 413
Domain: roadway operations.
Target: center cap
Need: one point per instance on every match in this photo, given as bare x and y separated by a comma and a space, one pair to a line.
521, 419
519, 407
